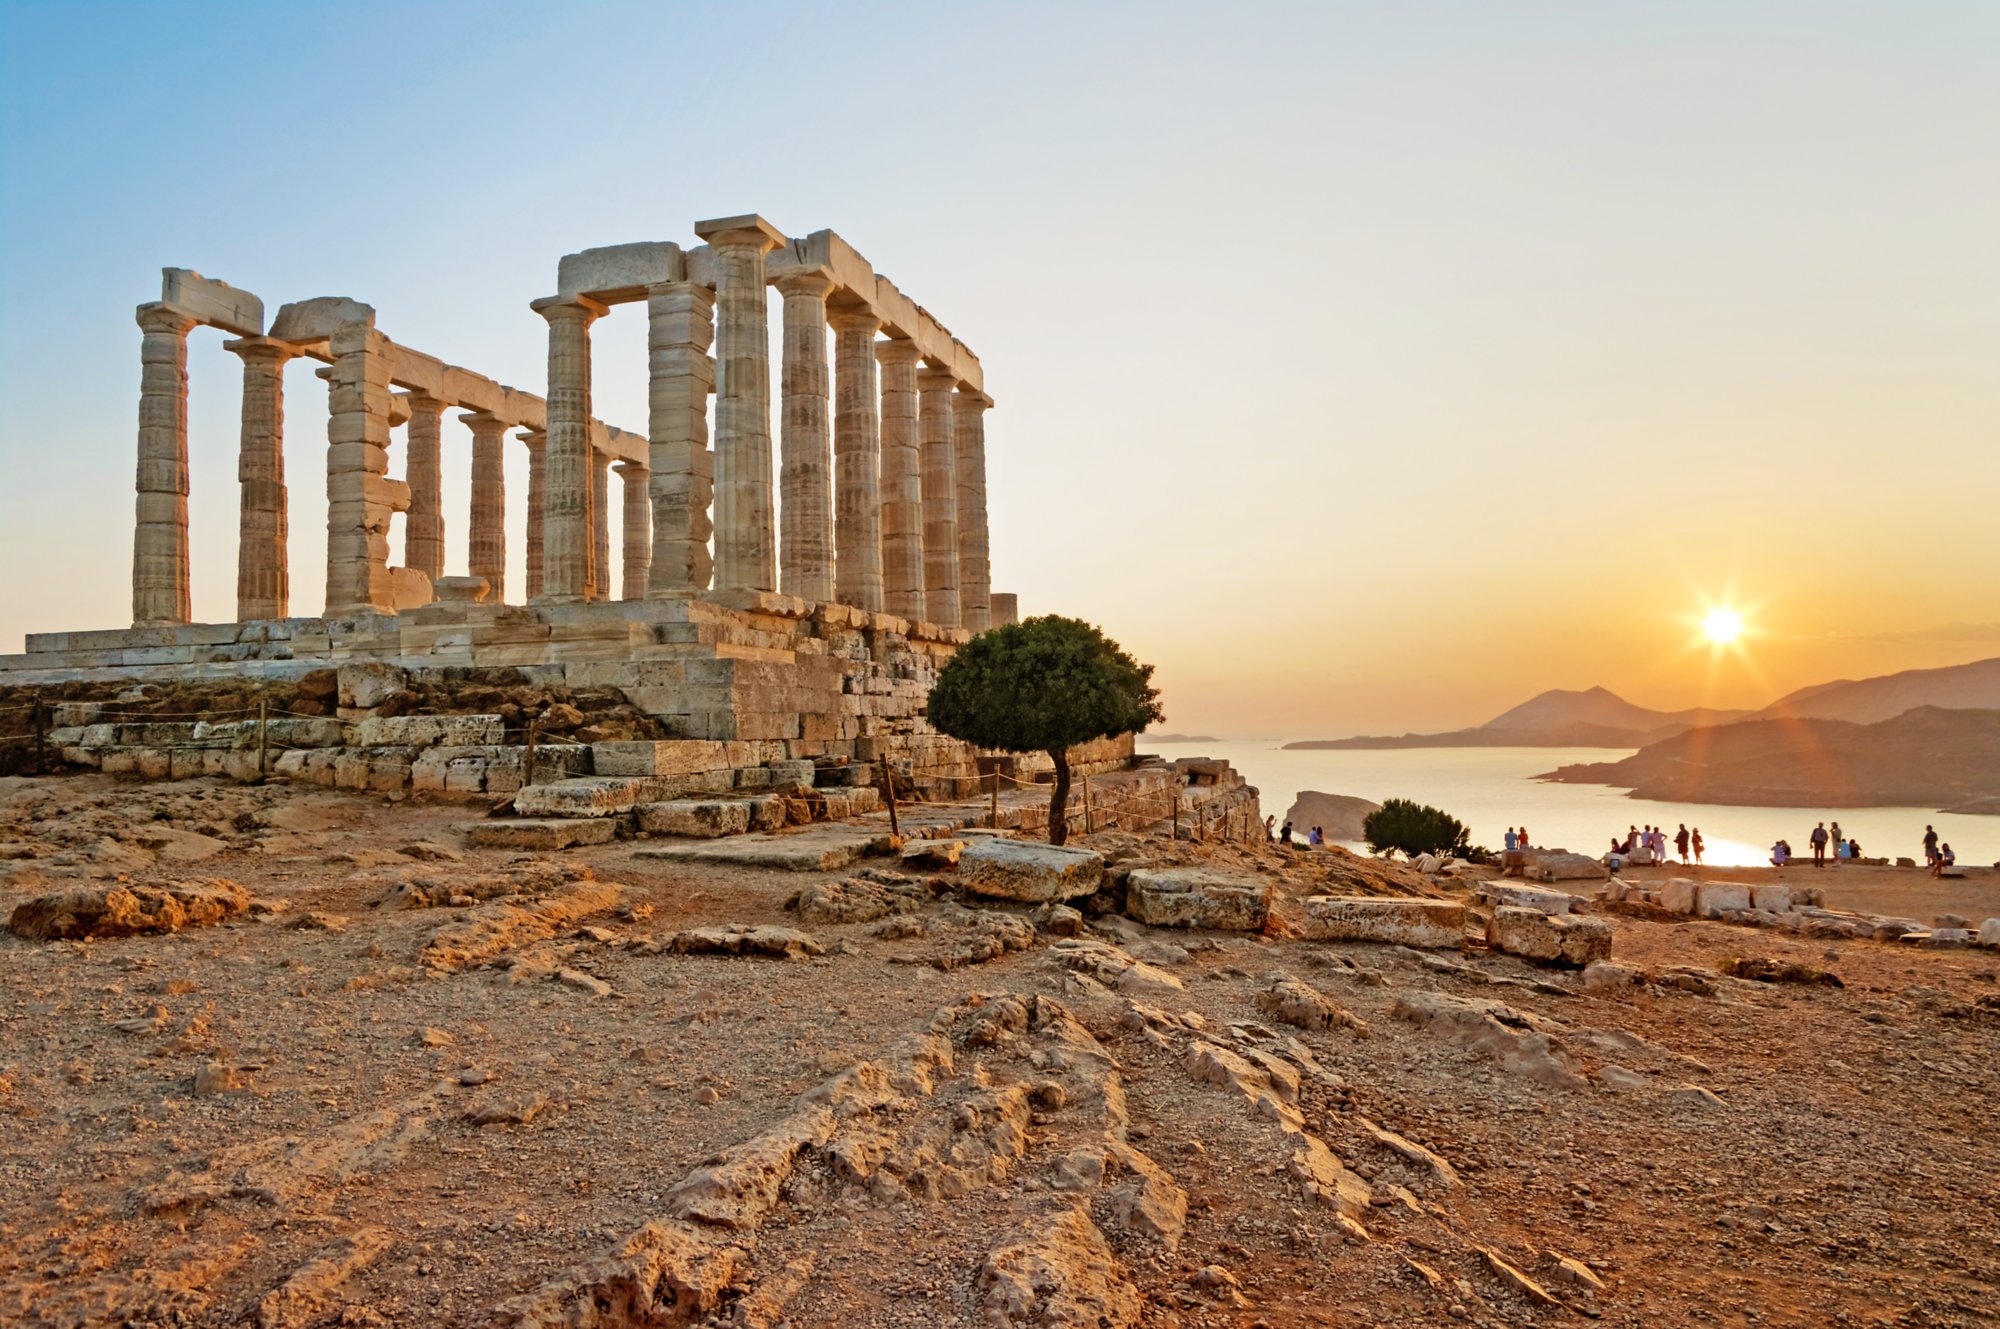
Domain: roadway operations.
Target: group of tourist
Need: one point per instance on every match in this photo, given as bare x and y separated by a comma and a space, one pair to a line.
1937, 857
1651, 841
1315, 838
1825, 841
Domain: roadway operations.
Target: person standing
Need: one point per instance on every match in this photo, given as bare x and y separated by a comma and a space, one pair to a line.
1681, 842
1818, 838
1837, 842
1930, 846
1697, 846
1285, 836
1271, 827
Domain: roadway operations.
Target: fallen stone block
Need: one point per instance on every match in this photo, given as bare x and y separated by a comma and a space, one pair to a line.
588, 796
1556, 865
1549, 939
1774, 899
1199, 897
539, 832
1679, 895
1406, 922
1605, 976
700, 819
1307, 1007
1989, 933
744, 939
1717, 898
1023, 870
125, 910
1528, 897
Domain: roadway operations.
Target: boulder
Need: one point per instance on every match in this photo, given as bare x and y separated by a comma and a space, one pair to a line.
1549, 939
696, 818
1605, 976
1717, 898
128, 910
1024, 870
1405, 922
1199, 897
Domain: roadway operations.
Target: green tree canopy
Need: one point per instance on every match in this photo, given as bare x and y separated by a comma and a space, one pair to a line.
1043, 685
1412, 827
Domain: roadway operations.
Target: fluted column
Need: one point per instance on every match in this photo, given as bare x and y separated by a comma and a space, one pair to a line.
679, 330
805, 466
902, 483
940, 497
975, 574
486, 523
423, 530
1006, 608
746, 552
567, 538
600, 526
537, 443
160, 577
857, 462
263, 579
637, 529
360, 497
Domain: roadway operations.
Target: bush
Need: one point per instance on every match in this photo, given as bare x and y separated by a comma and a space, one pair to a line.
1413, 828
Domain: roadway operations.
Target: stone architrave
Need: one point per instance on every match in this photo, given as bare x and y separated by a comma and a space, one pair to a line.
263, 579
537, 443
600, 526
160, 576
805, 466
567, 538
901, 483
857, 461
975, 574
360, 497
423, 531
939, 486
486, 522
637, 529
680, 328
746, 554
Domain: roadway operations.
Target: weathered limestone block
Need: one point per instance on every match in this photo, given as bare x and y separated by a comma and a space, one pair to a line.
1406, 922
365, 685
1527, 897
1551, 939
1678, 895
1556, 866
125, 910
1722, 897
1021, 870
587, 796
429, 730
1774, 899
704, 819
538, 833
215, 303
1199, 897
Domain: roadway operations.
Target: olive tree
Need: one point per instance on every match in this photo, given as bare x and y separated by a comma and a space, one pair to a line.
1043, 685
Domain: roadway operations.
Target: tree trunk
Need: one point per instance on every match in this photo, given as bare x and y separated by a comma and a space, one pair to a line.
1059, 800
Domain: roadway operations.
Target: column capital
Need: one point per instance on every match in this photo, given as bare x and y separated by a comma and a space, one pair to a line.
482, 422
631, 470
559, 308
744, 230
818, 283
534, 438
261, 348
936, 378
967, 398
157, 317
852, 318
898, 351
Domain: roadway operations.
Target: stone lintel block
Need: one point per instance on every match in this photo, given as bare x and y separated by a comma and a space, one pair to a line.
614, 274
1023, 870
1559, 939
316, 320
1199, 897
215, 303
417, 371
587, 796
535, 833
744, 228
1407, 922
704, 819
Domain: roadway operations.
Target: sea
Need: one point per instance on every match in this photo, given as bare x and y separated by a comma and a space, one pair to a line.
1490, 789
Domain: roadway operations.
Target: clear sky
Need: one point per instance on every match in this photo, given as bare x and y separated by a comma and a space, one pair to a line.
1367, 367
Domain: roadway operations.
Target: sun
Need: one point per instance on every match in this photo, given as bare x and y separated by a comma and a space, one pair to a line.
1722, 626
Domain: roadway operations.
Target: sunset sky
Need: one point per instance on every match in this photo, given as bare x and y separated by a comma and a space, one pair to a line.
1365, 367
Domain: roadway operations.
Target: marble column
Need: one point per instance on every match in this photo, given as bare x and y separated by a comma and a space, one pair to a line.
940, 497
1006, 608
360, 497
486, 523
537, 443
637, 529
263, 579
160, 575
902, 483
805, 466
857, 462
746, 554
975, 575
423, 530
566, 526
679, 330
600, 526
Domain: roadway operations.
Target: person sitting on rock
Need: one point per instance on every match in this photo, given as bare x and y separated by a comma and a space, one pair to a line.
1512, 842
1781, 853
1945, 858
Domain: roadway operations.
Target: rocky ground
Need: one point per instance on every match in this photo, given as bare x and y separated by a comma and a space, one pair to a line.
395, 1080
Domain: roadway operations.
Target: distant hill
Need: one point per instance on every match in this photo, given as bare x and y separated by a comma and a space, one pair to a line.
1973, 686
1558, 718
1599, 718
1177, 738
1927, 757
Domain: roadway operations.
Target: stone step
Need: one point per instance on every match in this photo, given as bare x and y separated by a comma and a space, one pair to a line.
591, 795
539, 832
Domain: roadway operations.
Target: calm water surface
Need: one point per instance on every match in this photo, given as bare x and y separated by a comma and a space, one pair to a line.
1489, 789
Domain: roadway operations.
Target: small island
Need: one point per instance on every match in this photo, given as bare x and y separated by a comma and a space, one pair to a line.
1178, 738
